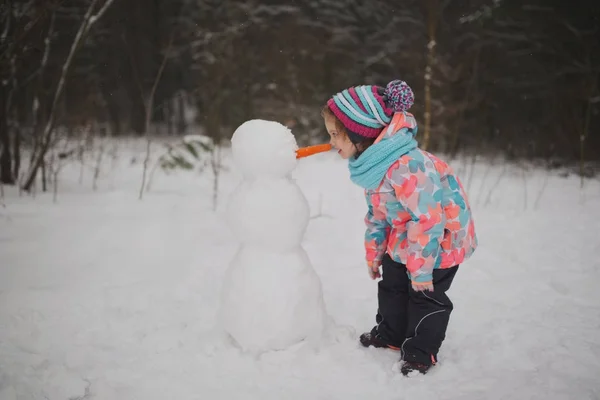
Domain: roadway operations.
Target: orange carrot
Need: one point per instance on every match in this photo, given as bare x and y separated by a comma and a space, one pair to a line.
310, 150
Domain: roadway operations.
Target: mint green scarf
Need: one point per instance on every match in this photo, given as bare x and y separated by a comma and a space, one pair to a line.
368, 170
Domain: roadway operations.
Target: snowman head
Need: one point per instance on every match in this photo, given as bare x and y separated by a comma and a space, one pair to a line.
264, 149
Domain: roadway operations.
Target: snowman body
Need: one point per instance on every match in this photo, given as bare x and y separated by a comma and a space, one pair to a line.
271, 297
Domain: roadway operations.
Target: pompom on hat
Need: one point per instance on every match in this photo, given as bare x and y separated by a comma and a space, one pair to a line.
365, 110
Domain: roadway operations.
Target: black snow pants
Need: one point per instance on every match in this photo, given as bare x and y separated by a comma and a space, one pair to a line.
414, 321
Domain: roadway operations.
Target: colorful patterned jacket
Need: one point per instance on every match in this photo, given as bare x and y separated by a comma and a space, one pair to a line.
420, 216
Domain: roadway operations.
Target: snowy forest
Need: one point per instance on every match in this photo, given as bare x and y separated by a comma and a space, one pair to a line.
178, 220
496, 77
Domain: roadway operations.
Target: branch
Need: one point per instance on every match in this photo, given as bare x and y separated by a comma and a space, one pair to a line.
149, 109
47, 135
254, 14
160, 70
27, 28
6, 24
210, 36
48, 40
88, 21
101, 12
41, 69
67, 65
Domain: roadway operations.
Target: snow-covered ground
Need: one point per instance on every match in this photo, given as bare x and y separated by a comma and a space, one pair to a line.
103, 296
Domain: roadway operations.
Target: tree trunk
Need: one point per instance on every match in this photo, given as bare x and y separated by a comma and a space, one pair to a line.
6, 175
432, 8
111, 99
181, 123
17, 152
44, 177
455, 141
168, 113
138, 116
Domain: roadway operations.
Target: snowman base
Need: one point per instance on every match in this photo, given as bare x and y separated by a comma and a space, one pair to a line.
271, 301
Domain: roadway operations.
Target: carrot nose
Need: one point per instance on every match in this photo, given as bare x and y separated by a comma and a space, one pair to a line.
310, 150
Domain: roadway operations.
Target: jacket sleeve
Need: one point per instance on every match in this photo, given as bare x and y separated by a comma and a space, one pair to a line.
420, 193
376, 235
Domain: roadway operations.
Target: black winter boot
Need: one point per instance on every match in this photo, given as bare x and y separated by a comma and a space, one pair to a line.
410, 366
373, 339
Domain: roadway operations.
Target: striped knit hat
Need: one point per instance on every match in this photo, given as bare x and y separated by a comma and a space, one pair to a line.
366, 110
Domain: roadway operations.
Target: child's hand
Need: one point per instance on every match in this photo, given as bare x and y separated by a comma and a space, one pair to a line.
421, 287
374, 270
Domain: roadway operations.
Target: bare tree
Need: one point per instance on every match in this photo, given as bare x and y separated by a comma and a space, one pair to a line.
39, 97
16, 26
2, 194
98, 164
496, 81
149, 106
88, 21
56, 164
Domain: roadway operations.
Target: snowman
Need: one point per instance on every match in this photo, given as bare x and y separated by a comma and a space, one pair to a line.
271, 297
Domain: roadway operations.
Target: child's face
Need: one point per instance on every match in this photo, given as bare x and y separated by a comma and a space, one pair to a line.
339, 140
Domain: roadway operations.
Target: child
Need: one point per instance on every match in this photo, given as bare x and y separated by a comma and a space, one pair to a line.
419, 223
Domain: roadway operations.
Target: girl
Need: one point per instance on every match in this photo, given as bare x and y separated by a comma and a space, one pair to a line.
419, 223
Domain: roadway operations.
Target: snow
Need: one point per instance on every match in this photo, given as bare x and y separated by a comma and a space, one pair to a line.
267, 208
272, 298
103, 296
269, 213
272, 301
264, 149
